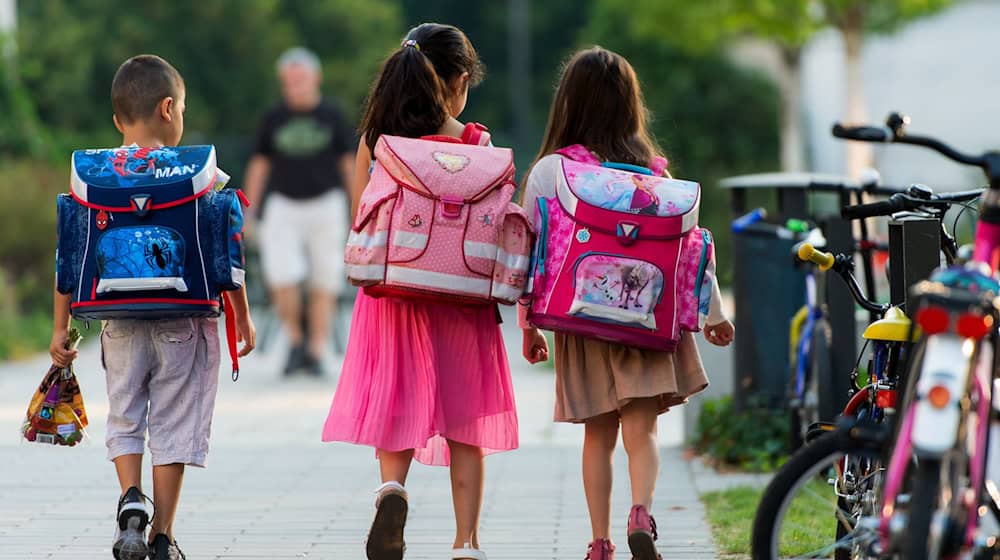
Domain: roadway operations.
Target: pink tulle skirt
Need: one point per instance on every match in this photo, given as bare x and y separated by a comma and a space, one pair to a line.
418, 374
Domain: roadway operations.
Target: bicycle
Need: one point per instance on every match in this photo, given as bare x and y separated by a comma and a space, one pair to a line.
809, 398
850, 458
942, 445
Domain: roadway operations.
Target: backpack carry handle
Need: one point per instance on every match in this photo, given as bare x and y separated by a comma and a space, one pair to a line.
627, 167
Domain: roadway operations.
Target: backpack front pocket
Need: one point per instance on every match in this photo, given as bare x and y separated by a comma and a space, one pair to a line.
616, 289
140, 258
513, 256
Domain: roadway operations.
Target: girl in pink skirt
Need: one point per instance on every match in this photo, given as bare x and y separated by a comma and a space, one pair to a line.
423, 380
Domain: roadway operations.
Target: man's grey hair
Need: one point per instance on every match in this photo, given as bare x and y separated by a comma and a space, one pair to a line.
299, 55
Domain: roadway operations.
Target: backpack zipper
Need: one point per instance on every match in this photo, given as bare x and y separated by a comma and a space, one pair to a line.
703, 264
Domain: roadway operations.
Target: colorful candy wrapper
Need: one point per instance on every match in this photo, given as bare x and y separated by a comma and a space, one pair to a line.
56, 414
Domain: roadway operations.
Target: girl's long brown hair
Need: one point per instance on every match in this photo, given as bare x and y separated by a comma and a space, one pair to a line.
410, 94
599, 104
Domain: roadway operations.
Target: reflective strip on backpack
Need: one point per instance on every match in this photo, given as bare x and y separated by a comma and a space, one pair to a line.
492, 252
439, 280
106, 285
367, 241
506, 292
365, 271
409, 240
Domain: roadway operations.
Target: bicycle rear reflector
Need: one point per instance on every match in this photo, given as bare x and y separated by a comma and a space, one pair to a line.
933, 320
973, 325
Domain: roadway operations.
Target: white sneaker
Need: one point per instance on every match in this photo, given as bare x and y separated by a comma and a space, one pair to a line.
130, 527
468, 553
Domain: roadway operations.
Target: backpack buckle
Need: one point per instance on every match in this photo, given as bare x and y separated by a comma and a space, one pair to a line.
451, 207
627, 232
142, 203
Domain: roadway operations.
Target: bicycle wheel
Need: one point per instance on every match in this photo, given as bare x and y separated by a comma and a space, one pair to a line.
936, 519
801, 515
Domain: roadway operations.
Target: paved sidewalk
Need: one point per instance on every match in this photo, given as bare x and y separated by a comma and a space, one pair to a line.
272, 490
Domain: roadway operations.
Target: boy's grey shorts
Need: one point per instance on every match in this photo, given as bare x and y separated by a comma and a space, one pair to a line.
162, 375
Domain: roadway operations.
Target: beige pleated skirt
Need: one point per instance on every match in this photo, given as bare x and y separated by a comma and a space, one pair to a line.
595, 378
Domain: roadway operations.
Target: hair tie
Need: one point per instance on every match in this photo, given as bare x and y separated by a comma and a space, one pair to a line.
411, 43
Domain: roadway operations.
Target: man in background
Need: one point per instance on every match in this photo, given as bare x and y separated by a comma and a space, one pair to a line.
303, 157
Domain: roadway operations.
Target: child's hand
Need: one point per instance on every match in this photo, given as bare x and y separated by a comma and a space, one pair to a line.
721, 334
61, 357
246, 333
534, 347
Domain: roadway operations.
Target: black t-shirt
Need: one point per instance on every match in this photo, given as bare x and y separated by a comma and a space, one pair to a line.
305, 149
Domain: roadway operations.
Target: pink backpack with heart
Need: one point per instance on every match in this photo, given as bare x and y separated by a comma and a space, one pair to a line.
619, 256
436, 222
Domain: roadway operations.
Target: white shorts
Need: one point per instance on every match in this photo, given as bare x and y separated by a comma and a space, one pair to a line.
303, 240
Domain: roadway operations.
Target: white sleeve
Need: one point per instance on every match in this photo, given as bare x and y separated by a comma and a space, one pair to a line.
540, 183
715, 313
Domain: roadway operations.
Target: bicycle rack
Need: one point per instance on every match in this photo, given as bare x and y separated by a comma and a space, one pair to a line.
767, 292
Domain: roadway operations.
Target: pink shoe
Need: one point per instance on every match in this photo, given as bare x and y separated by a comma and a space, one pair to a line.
601, 549
642, 534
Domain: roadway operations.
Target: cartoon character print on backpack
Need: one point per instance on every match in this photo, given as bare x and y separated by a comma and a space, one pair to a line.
140, 252
130, 166
631, 192
605, 283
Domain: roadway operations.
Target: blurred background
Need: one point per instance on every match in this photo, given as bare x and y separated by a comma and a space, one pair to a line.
735, 86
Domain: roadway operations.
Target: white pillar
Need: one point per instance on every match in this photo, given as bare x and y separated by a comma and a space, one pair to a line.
8, 25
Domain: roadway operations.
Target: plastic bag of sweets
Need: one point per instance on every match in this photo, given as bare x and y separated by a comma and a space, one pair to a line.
56, 414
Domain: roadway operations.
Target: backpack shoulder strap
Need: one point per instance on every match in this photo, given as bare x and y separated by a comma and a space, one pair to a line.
658, 165
578, 152
476, 134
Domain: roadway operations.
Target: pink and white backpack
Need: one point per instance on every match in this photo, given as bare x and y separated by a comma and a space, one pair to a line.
619, 256
436, 222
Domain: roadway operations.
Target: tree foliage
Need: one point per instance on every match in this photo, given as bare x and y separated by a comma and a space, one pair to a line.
225, 49
789, 23
712, 118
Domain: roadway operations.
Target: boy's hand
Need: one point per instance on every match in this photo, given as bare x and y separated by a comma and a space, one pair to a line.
721, 334
246, 333
534, 347
61, 357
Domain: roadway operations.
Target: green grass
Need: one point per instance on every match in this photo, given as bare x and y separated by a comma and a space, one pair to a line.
731, 514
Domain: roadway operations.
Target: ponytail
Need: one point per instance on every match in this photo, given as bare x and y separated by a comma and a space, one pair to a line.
410, 94
408, 98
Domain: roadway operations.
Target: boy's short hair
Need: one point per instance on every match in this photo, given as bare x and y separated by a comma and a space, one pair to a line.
140, 84
301, 56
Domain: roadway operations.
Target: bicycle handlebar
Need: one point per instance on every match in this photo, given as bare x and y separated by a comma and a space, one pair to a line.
843, 265
863, 133
894, 131
809, 253
901, 202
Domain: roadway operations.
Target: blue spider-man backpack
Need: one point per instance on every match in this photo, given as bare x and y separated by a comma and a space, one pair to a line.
148, 233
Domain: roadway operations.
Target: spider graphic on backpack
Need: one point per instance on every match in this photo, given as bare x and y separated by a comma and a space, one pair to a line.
156, 256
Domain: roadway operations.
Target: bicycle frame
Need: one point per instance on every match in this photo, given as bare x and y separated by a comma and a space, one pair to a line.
962, 366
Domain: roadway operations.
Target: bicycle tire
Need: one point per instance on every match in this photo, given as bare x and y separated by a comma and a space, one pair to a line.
920, 511
803, 465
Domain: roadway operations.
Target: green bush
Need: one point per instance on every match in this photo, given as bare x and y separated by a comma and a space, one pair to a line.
27, 252
754, 439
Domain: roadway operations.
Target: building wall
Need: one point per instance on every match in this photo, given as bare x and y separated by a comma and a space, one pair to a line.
942, 71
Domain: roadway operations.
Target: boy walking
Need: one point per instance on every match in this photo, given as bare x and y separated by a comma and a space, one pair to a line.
162, 374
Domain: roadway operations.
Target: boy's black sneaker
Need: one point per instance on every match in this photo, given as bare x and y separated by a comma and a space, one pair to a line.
130, 533
313, 365
297, 359
162, 548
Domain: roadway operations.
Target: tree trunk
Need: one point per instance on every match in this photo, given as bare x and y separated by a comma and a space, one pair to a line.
519, 51
860, 155
792, 144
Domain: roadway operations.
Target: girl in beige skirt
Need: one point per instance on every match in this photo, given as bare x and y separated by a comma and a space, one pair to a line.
598, 104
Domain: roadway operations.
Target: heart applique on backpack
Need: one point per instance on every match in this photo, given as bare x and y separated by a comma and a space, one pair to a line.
452, 163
